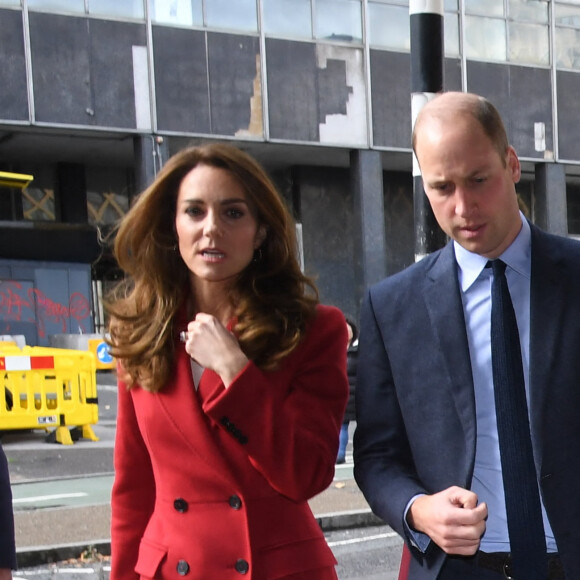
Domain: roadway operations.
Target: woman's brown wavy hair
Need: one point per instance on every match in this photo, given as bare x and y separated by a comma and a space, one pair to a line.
273, 299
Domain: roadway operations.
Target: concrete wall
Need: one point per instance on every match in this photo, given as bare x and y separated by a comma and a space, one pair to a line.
328, 228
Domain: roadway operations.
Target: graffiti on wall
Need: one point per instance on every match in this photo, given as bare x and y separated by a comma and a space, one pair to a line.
20, 302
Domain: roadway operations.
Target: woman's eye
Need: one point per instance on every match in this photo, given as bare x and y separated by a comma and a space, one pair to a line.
234, 213
193, 211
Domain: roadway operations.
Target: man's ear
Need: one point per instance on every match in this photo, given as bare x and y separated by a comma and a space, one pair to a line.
514, 164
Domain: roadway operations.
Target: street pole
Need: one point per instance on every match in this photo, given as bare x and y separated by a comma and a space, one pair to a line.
426, 20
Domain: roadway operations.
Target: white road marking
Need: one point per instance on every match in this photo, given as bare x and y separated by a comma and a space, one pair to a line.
49, 497
360, 540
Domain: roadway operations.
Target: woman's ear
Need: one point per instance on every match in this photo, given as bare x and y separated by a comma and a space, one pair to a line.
260, 236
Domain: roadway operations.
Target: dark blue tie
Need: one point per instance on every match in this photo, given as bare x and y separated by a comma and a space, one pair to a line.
524, 513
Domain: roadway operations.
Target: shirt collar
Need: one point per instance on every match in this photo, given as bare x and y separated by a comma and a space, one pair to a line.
517, 256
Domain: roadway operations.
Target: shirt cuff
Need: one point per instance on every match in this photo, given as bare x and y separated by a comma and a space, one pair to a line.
418, 540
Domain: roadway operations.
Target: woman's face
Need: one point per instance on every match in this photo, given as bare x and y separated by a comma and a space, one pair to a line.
216, 230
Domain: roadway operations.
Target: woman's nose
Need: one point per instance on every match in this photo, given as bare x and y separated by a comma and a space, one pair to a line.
211, 226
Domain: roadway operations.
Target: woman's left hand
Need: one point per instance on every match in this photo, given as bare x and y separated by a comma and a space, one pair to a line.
214, 347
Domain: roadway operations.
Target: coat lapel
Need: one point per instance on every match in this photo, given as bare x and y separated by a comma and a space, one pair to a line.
444, 304
183, 408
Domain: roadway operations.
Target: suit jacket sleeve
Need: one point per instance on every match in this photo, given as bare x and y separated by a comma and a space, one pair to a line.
384, 468
7, 543
290, 419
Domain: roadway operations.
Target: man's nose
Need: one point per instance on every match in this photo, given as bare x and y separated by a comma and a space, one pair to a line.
465, 201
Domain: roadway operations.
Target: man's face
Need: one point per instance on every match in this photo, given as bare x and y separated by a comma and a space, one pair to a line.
470, 187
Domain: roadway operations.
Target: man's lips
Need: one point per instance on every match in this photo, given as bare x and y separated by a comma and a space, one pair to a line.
471, 230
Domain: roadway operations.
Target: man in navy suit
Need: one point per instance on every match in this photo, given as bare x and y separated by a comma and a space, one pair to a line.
7, 549
426, 447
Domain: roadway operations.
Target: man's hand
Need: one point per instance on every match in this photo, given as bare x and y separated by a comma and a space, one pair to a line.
451, 518
5, 574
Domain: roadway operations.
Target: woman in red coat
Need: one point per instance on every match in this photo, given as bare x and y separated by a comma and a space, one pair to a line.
232, 381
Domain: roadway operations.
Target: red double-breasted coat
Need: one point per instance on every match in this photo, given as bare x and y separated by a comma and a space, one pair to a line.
213, 484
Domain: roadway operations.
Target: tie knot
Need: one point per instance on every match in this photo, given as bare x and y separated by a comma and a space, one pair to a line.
498, 267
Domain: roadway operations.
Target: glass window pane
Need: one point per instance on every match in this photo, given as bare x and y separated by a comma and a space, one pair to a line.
529, 11
127, 8
528, 43
338, 20
485, 7
9, 2
451, 35
177, 12
38, 205
389, 27
567, 15
398, 2
288, 18
238, 15
451, 5
568, 48
485, 38
76, 6
183, 12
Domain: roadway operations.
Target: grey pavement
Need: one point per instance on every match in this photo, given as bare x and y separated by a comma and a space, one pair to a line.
61, 530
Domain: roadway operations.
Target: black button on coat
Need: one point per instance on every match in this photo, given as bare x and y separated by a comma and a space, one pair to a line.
242, 566
182, 568
235, 502
180, 505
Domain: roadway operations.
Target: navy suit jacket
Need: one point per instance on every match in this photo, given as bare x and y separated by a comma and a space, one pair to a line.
7, 550
416, 426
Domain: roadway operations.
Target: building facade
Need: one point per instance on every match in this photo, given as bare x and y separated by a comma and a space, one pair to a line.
96, 94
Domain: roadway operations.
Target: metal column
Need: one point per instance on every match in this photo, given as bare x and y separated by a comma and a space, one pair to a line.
426, 20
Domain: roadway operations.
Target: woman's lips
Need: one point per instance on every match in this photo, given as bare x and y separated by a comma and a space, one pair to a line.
213, 254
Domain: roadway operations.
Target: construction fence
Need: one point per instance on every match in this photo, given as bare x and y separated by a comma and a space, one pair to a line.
52, 389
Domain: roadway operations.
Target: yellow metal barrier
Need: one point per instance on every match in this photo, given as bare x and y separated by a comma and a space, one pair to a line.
48, 387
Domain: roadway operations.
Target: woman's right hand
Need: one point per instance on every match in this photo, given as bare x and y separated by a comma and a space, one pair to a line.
214, 347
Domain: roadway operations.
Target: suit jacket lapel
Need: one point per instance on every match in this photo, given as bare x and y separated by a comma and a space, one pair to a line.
444, 304
548, 296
